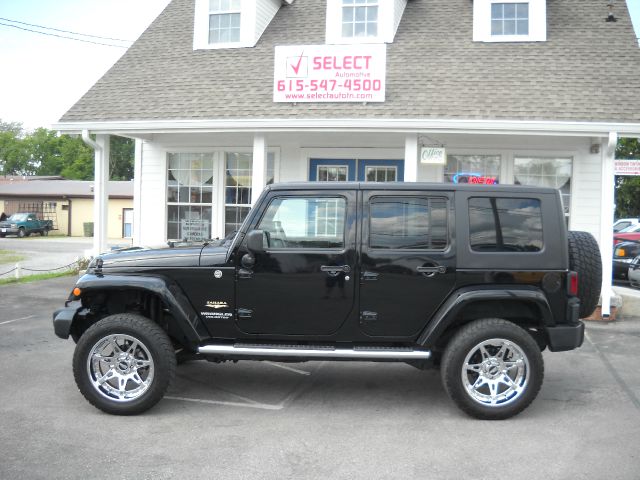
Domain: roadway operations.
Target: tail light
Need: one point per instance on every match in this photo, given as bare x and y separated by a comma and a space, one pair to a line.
572, 284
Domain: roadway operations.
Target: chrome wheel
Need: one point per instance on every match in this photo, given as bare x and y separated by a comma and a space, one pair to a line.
120, 368
495, 372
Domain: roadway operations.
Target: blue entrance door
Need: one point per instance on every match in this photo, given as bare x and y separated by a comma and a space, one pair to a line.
342, 170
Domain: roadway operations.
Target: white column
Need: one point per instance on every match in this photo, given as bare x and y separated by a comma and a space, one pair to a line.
259, 176
137, 190
100, 194
411, 158
606, 219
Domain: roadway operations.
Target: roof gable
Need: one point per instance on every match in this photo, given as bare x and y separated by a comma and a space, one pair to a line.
434, 70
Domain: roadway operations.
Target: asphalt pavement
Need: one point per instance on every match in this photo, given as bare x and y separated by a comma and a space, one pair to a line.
262, 420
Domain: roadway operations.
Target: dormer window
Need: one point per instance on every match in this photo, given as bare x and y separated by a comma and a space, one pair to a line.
363, 21
231, 23
224, 21
514, 21
359, 18
509, 19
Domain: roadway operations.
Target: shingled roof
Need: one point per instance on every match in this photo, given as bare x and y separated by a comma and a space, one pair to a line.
587, 71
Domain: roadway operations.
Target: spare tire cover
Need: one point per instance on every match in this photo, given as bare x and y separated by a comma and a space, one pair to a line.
584, 258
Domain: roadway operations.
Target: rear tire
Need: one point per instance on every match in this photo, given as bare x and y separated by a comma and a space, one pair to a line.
584, 258
124, 364
492, 369
44, 232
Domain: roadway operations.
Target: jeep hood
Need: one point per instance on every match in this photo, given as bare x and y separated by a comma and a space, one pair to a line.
133, 258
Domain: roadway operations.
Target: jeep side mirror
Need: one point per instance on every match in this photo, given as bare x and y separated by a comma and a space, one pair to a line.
255, 241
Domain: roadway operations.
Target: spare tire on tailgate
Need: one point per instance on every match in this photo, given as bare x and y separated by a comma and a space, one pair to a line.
584, 258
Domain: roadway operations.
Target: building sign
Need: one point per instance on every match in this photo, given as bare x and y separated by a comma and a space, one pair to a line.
433, 156
195, 230
474, 178
627, 167
330, 73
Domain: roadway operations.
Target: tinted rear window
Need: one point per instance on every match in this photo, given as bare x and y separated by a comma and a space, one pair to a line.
505, 224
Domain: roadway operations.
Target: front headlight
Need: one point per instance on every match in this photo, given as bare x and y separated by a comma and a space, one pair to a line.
14, 225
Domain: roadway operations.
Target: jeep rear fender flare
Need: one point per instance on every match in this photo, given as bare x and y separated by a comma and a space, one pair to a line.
171, 294
448, 312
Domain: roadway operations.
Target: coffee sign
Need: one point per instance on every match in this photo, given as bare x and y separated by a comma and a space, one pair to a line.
433, 156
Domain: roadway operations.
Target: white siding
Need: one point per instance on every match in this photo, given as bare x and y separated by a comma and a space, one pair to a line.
398, 10
153, 195
586, 191
265, 11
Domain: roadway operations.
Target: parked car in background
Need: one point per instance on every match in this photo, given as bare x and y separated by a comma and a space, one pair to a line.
629, 234
634, 272
623, 255
623, 223
24, 224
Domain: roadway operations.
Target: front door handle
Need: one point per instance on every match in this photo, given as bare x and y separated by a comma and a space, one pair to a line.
431, 271
335, 270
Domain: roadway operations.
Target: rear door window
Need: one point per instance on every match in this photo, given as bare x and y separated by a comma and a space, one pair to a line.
408, 223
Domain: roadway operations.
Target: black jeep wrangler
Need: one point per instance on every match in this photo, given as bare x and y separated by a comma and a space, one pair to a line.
474, 280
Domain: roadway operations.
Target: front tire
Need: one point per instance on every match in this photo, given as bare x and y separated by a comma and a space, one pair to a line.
21, 233
492, 369
124, 364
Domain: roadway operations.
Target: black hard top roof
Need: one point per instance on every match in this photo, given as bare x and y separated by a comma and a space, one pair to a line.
408, 186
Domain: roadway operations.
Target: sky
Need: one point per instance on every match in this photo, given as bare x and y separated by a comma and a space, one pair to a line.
42, 76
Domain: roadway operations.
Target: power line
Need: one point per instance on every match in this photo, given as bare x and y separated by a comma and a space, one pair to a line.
64, 31
61, 36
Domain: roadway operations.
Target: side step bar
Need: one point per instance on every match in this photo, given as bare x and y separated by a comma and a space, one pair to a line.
363, 353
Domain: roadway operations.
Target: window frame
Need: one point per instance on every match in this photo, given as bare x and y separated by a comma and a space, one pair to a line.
482, 15
352, 6
221, 13
389, 16
284, 196
398, 195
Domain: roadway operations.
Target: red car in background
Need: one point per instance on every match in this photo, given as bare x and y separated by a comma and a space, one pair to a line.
631, 234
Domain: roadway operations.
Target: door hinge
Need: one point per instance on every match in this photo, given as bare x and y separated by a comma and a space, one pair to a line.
367, 316
245, 313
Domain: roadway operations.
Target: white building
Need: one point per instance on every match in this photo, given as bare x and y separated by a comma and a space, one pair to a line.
225, 96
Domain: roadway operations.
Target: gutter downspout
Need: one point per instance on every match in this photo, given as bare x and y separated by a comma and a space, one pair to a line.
100, 198
606, 221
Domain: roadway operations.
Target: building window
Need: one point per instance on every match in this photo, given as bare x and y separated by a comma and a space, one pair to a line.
505, 224
359, 18
478, 169
224, 21
509, 19
189, 196
545, 172
237, 187
381, 174
331, 173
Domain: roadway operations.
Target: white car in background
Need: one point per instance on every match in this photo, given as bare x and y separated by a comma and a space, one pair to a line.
623, 223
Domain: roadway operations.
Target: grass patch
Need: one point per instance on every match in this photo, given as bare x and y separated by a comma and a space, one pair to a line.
36, 277
9, 256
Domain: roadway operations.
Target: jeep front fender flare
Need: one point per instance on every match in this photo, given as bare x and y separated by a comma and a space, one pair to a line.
448, 312
169, 292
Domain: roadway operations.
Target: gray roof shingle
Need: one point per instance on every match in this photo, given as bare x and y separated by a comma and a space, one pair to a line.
63, 188
588, 70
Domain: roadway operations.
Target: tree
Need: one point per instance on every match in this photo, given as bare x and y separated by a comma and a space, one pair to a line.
13, 158
121, 158
628, 188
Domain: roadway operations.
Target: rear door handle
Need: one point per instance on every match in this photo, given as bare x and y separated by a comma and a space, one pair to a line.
334, 270
431, 271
